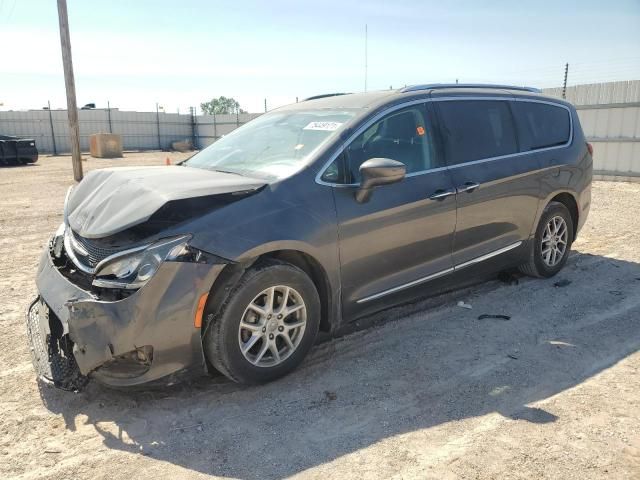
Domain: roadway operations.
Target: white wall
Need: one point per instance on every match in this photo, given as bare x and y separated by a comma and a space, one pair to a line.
610, 117
609, 114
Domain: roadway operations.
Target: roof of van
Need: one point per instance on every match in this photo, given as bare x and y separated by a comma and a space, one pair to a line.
371, 100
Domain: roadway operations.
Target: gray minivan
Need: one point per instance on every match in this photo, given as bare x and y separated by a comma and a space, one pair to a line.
304, 220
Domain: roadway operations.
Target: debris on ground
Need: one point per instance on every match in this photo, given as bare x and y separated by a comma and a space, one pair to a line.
562, 283
426, 370
498, 316
509, 278
331, 396
464, 305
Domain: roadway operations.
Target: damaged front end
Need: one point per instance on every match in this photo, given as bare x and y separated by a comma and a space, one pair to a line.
52, 349
119, 309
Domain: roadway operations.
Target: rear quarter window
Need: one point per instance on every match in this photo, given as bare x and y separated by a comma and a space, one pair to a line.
477, 129
541, 125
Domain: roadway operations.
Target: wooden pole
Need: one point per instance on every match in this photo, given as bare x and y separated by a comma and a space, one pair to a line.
72, 108
53, 133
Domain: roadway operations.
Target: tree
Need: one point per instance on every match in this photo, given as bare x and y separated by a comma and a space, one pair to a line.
221, 105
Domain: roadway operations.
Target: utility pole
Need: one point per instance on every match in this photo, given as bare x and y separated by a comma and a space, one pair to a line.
72, 107
158, 125
109, 113
366, 55
53, 133
564, 85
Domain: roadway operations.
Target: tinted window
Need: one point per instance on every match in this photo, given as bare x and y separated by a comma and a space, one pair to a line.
477, 129
335, 173
403, 136
541, 125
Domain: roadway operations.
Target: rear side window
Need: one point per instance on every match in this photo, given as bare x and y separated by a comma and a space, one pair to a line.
477, 129
541, 125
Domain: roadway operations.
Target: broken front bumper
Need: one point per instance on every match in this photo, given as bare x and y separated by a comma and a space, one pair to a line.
74, 334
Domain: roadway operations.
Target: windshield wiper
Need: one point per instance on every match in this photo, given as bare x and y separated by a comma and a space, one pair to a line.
226, 171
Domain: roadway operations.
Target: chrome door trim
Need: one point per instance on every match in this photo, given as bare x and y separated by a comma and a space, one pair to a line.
441, 273
444, 99
467, 188
513, 99
487, 256
405, 285
442, 195
357, 132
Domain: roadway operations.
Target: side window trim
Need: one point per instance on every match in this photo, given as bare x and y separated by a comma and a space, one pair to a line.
356, 133
426, 101
519, 120
514, 122
501, 102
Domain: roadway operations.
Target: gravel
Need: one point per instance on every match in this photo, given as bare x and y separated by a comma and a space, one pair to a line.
428, 392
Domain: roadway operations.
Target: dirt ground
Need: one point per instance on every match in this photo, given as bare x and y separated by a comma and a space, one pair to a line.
433, 392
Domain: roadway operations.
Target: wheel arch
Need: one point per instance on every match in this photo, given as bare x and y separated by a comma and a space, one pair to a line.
231, 274
318, 275
569, 201
565, 197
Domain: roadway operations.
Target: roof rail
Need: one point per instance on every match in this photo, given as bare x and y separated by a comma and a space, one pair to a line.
436, 86
325, 95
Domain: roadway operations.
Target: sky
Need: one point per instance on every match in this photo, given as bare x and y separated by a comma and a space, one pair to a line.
136, 53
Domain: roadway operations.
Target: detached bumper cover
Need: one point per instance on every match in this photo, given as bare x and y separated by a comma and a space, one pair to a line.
52, 357
160, 314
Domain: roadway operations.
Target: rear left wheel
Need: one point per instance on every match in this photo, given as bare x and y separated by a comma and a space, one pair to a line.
551, 245
267, 326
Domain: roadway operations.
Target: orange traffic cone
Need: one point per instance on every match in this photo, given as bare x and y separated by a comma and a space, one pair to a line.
167, 161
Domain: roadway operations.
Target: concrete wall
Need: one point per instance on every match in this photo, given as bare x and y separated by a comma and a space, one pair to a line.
610, 117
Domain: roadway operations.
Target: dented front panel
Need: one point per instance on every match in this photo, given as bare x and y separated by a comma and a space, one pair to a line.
160, 315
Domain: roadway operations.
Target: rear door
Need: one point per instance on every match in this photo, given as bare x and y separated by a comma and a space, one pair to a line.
498, 188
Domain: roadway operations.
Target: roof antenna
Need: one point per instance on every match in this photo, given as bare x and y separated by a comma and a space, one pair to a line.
366, 52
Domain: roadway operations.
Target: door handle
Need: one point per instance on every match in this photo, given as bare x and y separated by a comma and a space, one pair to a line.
468, 187
442, 194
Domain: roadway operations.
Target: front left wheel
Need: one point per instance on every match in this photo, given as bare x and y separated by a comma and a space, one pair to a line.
267, 326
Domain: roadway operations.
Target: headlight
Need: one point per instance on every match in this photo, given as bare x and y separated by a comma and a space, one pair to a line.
57, 241
132, 271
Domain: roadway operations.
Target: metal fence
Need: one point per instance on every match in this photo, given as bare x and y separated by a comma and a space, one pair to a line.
139, 130
609, 114
610, 117
209, 128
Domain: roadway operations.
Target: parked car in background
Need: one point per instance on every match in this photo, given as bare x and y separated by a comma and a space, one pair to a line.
301, 221
15, 151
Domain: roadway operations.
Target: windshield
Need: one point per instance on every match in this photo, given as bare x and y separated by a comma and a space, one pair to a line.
275, 144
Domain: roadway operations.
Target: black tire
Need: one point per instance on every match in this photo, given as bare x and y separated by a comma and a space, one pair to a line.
221, 342
536, 266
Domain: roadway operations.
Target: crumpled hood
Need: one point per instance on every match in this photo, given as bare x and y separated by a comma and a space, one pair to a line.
111, 200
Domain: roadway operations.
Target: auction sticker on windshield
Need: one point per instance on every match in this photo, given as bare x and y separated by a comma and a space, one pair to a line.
327, 126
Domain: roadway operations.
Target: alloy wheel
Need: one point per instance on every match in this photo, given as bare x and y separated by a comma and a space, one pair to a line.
272, 326
554, 241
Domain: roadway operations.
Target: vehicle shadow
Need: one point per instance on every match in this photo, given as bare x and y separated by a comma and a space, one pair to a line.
14, 164
416, 370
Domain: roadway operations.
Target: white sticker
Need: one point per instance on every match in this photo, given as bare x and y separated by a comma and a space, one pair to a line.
327, 126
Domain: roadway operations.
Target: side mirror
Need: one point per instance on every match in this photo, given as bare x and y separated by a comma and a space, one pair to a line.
378, 171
